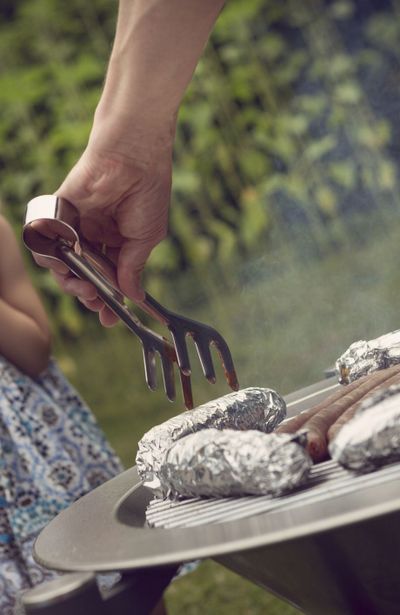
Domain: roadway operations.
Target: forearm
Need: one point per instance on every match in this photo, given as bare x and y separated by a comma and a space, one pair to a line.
157, 46
122, 182
22, 341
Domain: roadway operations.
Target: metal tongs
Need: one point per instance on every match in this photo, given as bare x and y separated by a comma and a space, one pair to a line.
52, 229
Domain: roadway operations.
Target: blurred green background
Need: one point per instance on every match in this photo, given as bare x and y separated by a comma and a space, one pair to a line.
285, 209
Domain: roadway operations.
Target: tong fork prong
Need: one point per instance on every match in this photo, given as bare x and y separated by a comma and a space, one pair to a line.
207, 336
227, 361
179, 338
186, 390
203, 336
168, 376
149, 360
203, 350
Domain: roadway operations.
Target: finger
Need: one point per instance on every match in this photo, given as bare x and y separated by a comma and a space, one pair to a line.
94, 305
46, 228
97, 226
51, 263
107, 317
76, 287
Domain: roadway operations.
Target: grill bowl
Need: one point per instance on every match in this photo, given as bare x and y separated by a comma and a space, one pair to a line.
333, 554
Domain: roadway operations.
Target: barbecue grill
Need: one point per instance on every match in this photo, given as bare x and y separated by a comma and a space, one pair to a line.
330, 548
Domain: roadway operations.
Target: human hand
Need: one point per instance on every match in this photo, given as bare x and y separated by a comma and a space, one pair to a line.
121, 185
123, 201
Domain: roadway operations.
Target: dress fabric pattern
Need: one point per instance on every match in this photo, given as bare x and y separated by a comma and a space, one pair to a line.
51, 453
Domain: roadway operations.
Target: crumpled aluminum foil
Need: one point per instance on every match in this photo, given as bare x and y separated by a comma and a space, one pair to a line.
372, 437
364, 357
224, 463
252, 408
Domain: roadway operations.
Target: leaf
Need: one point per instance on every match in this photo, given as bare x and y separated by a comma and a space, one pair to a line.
290, 71
319, 149
164, 257
383, 30
313, 105
253, 163
326, 200
387, 175
241, 86
374, 135
299, 14
226, 239
185, 181
371, 59
341, 65
254, 218
236, 14
348, 93
342, 9
231, 54
368, 176
296, 124
197, 248
273, 46
343, 173
282, 145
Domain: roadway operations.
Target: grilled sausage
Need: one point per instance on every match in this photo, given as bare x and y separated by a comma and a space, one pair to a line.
295, 423
349, 413
363, 385
319, 424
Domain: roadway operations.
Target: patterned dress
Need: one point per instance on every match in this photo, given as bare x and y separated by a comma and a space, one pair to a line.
51, 453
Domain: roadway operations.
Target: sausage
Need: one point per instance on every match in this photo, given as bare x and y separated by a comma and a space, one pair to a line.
349, 413
296, 422
319, 424
367, 382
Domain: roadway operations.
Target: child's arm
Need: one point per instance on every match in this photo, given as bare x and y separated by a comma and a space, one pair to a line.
25, 338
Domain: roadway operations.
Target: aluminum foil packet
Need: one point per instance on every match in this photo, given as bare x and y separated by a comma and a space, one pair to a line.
215, 463
252, 408
372, 437
364, 357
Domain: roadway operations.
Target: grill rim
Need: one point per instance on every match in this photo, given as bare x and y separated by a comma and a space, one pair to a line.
88, 553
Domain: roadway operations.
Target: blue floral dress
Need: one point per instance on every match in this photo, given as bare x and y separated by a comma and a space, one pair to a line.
51, 453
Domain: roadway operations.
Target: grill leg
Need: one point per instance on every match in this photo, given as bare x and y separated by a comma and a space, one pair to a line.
139, 591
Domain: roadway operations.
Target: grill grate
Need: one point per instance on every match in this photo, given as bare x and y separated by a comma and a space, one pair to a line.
327, 480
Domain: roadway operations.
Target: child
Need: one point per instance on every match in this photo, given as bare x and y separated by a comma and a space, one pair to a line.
51, 449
